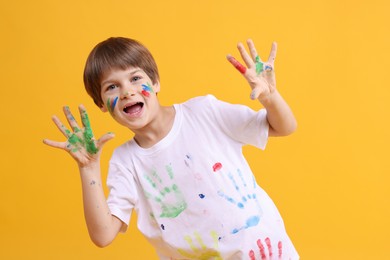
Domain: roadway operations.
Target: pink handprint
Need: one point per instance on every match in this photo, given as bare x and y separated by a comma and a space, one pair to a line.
263, 251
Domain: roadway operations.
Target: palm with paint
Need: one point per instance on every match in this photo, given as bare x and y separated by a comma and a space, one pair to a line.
260, 75
80, 143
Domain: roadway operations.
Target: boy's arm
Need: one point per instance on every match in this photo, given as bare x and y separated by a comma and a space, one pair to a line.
261, 77
85, 150
102, 226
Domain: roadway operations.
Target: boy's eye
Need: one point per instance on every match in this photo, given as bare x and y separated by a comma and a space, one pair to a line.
135, 78
111, 87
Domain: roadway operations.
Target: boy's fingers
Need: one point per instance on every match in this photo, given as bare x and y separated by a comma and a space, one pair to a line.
245, 56
241, 68
84, 117
272, 55
71, 120
252, 50
61, 127
88, 138
255, 93
55, 144
104, 139
258, 62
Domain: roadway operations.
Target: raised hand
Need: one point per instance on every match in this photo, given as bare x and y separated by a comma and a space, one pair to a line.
260, 75
80, 143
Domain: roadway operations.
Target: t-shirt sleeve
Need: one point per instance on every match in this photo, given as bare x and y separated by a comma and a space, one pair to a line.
122, 193
241, 123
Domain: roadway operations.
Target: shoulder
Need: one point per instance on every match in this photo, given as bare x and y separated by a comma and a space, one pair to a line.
201, 100
201, 103
122, 152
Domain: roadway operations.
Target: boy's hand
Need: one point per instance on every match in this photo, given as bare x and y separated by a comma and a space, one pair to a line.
260, 75
80, 143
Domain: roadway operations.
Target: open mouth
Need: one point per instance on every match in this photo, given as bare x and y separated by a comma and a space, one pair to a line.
133, 109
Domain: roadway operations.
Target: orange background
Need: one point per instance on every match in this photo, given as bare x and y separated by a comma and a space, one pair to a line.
330, 180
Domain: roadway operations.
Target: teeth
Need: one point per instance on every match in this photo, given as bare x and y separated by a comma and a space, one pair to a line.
138, 103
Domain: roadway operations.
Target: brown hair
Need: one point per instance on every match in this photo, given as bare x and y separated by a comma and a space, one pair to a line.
120, 53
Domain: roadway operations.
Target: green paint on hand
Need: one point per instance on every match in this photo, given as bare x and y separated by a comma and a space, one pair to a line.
259, 65
76, 142
88, 135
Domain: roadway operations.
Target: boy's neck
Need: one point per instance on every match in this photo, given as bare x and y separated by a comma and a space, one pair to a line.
158, 129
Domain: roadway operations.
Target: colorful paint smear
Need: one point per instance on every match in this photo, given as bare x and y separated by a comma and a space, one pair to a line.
161, 192
88, 135
201, 252
280, 249
250, 222
111, 105
241, 200
236, 64
262, 250
259, 65
146, 90
86, 140
217, 166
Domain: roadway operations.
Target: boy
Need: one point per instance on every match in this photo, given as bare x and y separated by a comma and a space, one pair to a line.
183, 172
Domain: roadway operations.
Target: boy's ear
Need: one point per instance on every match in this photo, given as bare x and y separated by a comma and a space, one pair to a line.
157, 87
103, 108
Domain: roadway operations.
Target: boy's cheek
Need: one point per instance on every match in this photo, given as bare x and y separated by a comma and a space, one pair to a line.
111, 104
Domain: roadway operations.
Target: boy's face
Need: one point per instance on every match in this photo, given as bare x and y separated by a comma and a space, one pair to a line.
130, 97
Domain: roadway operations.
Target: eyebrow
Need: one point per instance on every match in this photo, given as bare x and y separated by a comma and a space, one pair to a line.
132, 72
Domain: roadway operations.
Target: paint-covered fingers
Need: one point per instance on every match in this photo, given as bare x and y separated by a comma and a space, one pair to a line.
259, 64
71, 120
65, 131
88, 138
245, 56
241, 68
84, 116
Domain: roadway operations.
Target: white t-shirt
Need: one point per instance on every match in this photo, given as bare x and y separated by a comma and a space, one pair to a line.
194, 192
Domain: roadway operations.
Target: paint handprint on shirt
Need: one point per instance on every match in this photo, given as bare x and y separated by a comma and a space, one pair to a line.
169, 197
201, 251
243, 201
266, 253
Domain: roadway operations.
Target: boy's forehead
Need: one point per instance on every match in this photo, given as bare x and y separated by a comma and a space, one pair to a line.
117, 72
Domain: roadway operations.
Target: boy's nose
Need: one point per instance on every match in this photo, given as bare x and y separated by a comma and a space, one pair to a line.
128, 92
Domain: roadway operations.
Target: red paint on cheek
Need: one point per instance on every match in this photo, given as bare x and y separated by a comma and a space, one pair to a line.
145, 93
217, 166
237, 65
